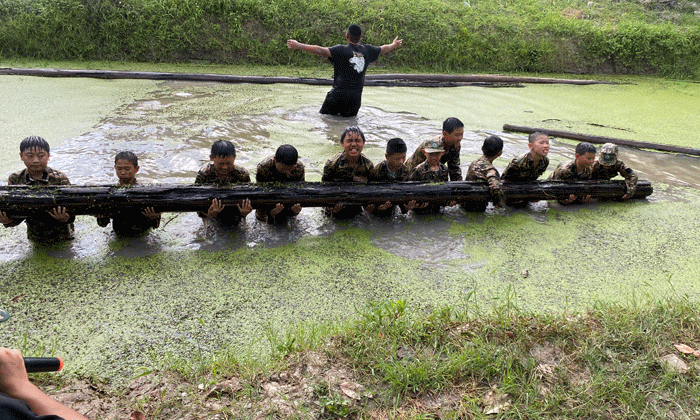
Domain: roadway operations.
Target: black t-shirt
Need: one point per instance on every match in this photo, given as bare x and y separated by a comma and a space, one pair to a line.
14, 409
350, 62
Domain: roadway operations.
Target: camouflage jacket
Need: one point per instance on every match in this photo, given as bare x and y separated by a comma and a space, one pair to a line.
483, 170
523, 169
128, 223
207, 176
381, 172
43, 227
450, 158
423, 173
230, 215
267, 172
606, 172
337, 170
566, 171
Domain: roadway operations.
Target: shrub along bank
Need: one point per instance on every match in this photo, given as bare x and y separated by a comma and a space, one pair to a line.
626, 37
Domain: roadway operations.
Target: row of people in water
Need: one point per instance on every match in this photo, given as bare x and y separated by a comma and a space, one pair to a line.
435, 160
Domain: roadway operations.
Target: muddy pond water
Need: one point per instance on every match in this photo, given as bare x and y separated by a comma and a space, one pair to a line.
112, 306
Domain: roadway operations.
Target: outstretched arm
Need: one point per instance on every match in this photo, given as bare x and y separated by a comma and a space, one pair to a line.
313, 49
388, 47
14, 383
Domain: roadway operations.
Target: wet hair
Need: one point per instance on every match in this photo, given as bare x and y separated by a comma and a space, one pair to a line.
395, 145
493, 145
352, 130
34, 142
223, 148
354, 33
128, 156
533, 136
287, 154
451, 124
584, 147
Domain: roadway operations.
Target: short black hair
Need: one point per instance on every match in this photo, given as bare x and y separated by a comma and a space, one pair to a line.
354, 33
584, 147
451, 124
533, 136
395, 145
353, 129
128, 156
493, 145
34, 142
223, 148
287, 154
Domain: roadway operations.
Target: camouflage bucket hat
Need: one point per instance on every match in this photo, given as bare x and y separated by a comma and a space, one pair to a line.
434, 146
608, 154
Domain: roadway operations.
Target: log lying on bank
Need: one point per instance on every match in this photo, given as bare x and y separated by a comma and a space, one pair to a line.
417, 80
20, 201
602, 140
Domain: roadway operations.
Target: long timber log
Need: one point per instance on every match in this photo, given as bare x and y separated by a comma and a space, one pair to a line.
600, 139
418, 80
21, 201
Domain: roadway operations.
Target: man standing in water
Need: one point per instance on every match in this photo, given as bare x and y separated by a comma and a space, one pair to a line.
350, 63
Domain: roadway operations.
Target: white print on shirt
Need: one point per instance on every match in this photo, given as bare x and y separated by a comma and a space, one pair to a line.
358, 62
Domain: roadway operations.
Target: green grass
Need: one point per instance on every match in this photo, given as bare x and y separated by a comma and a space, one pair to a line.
622, 37
394, 361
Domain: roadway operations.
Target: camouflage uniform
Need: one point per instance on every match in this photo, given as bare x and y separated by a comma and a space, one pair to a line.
230, 215
337, 170
382, 173
129, 223
606, 172
267, 172
607, 166
523, 169
42, 227
483, 170
566, 171
423, 173
450, 158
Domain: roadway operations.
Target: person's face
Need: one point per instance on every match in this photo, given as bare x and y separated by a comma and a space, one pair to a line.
223, 165
282, 168
395, 161
353, 144
453, 138
35, 159
540, 147
433, 158
585, 160
126, 171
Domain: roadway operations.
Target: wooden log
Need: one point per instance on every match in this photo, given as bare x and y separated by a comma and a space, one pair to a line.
483, 78
20, 201
420, 80
601, 139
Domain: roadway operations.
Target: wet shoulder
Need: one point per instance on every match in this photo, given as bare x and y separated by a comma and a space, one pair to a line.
55, 177
239, 174
18, 178
263, 172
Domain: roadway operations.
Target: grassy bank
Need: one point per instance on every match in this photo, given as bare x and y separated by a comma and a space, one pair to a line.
623, 37
613, 361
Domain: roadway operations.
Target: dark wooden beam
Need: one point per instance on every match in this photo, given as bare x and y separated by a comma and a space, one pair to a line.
23, 200
418, 80
600, 139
